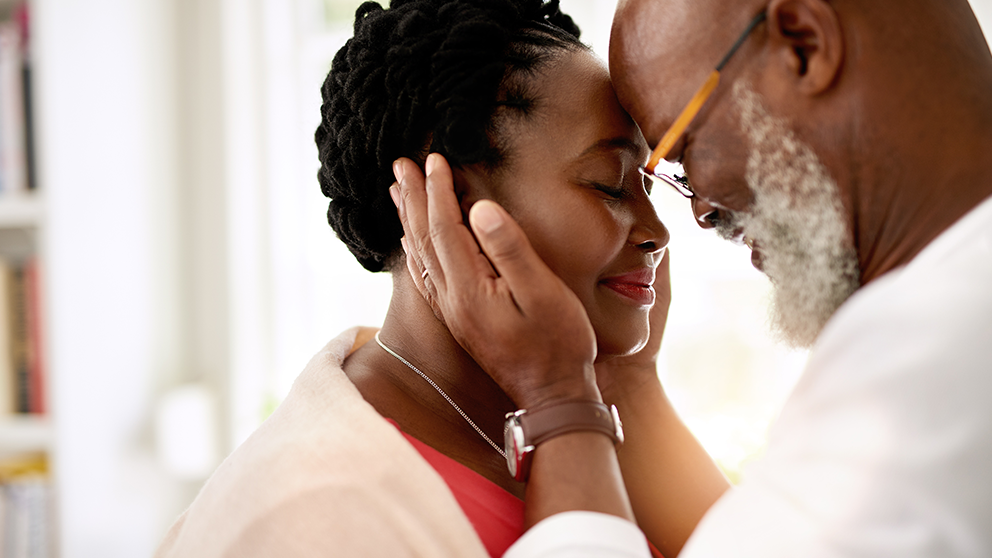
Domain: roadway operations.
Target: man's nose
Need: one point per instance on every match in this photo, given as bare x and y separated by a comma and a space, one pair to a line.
706, 215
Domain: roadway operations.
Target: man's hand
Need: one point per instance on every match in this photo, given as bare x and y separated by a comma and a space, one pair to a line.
670, 479
520, 322
632, 371
516, 318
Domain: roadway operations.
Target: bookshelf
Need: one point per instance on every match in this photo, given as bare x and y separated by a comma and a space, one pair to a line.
27, 508
20, 227
21, 211
20, 434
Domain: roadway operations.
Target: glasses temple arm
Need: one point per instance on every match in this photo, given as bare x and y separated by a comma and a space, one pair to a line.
682, 122
740, 40
690, 111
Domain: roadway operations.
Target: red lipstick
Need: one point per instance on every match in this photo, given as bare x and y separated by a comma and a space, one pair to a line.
634, 286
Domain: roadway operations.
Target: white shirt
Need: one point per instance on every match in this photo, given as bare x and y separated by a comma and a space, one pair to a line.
885, 446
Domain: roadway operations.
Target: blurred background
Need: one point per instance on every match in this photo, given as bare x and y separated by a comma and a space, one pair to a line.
166, 269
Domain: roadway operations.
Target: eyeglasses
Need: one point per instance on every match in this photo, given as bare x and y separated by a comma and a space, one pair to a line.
675, 179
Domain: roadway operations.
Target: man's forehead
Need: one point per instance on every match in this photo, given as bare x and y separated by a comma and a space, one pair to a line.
662, 50
690, 31
652, 27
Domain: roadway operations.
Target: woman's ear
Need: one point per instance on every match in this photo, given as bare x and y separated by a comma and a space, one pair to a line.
471, 185
809, 41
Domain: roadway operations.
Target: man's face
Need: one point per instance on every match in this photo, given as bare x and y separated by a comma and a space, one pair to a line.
745, 164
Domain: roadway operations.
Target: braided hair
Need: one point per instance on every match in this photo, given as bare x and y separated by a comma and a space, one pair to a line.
424, 76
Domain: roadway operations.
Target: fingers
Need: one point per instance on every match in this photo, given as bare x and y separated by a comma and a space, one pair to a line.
516, 317
418, 273
412, 258
456, 251
436, 241
412, 208
511, 254
658, 317
663, 279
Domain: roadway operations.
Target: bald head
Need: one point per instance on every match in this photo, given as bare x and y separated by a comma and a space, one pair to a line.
660, 50
878, 90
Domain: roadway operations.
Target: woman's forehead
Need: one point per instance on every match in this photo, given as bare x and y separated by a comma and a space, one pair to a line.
578, 113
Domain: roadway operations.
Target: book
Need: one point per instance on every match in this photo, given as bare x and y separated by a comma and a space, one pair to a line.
26, 504
33, 319
13, 159
19, 342
21, 16
7, 383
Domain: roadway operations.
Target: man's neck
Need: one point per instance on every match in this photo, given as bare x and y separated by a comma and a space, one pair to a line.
901, 211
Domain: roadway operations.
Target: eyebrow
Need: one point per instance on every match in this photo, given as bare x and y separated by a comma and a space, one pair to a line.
607, 144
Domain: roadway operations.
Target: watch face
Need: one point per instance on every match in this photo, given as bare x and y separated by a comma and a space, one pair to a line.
618, 426
513, 445
510, 448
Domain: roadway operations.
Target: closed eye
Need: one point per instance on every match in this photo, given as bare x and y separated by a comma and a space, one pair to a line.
611, 191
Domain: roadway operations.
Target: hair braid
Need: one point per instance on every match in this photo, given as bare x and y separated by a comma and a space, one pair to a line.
424, 74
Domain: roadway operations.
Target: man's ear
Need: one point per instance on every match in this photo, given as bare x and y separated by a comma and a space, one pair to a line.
809, 41
471, 185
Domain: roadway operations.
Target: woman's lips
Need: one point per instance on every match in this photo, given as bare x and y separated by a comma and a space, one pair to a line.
635, 286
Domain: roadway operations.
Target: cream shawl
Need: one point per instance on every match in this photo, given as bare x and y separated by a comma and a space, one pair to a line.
325, 475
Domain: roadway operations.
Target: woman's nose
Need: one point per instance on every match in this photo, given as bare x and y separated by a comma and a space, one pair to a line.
649, 233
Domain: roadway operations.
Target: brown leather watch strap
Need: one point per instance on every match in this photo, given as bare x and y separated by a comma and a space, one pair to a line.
547, 422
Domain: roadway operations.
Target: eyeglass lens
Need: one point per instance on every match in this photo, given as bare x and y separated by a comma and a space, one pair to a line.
680, 183
674, 175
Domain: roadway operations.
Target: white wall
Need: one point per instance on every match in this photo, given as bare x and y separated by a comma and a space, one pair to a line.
106, 106
983, 9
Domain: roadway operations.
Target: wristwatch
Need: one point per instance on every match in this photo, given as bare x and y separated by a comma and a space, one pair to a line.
525, 429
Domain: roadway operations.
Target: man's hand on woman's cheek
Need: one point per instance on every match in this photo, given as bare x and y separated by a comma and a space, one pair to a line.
631, 371
516, 318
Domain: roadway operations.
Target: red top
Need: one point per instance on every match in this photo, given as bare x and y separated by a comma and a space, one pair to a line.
497, 515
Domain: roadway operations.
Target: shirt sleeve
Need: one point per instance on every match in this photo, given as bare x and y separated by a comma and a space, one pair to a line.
581, 534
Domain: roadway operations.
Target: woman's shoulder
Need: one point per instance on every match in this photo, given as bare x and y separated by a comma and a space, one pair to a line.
324, 468
348, 521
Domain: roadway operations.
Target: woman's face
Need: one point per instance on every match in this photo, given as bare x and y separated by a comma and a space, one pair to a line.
571, 181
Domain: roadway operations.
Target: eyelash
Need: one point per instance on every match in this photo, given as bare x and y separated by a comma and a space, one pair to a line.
616, 193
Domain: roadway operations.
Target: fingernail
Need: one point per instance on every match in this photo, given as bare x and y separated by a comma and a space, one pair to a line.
486, 217
403, 244
429, 165
398, 171
394, 192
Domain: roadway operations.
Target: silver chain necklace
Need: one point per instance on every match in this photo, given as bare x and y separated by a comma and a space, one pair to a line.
441, 391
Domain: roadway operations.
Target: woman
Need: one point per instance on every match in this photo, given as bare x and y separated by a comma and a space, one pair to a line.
392, 446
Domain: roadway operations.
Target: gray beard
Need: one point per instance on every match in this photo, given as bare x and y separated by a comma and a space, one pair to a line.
797, 222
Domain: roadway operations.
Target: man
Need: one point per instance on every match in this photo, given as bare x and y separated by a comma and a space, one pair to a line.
848, 143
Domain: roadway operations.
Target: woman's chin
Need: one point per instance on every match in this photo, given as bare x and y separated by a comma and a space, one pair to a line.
619, 331
614, 347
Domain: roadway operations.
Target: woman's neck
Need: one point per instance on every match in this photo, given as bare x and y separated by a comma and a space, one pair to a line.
412, 331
